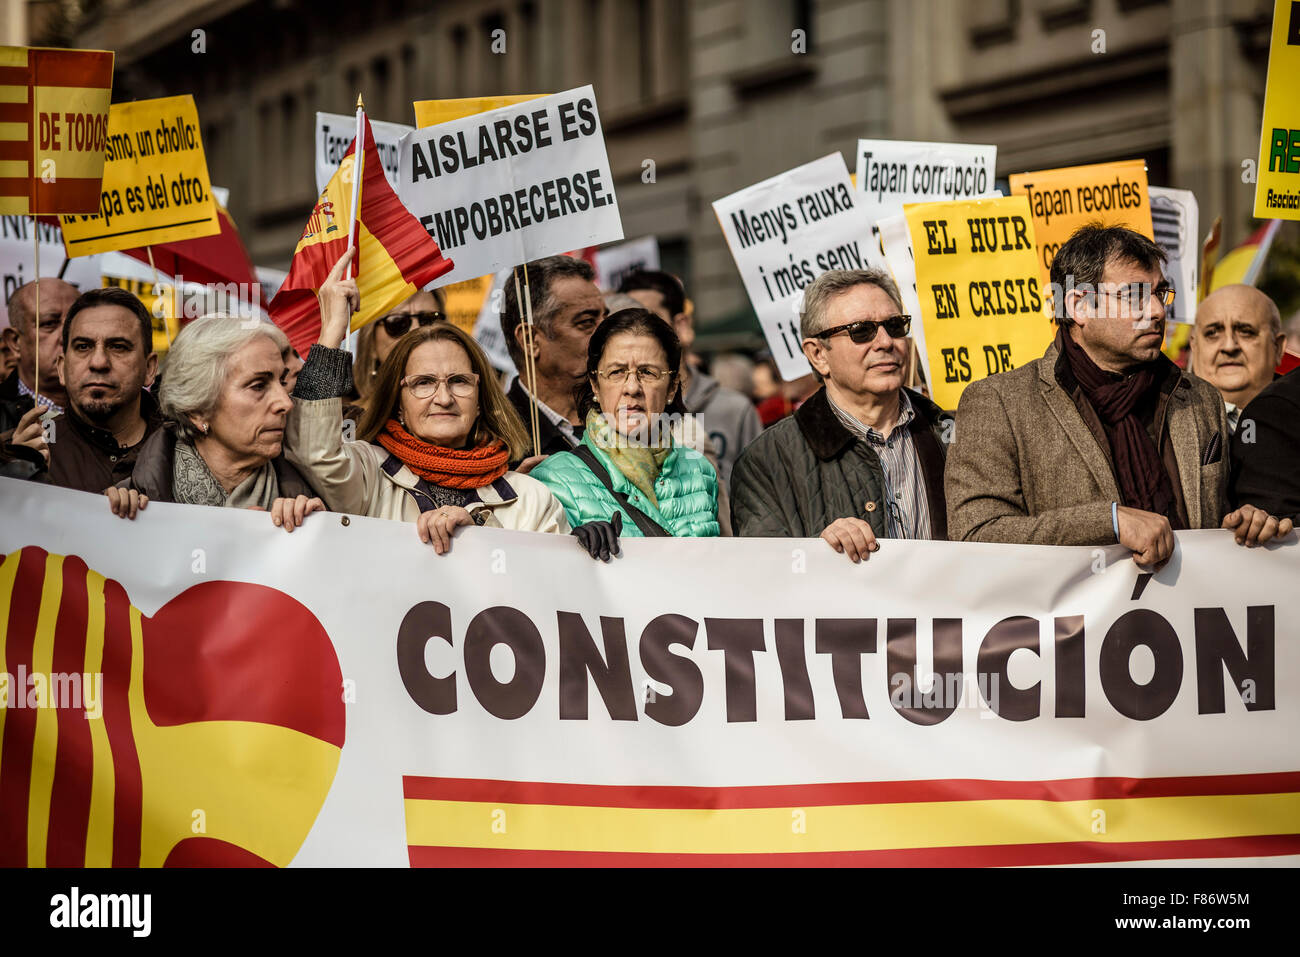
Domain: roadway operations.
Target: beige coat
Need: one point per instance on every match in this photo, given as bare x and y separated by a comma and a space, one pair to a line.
1024, 466
350, 477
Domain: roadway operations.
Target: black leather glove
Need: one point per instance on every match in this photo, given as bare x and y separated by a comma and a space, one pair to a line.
600, 539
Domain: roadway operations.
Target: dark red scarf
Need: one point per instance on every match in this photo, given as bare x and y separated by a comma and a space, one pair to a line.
1139, 472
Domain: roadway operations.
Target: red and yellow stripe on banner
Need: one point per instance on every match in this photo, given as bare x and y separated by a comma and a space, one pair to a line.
965, 823
203, 743
53, 122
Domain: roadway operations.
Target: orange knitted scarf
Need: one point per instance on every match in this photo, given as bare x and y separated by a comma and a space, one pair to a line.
450, 468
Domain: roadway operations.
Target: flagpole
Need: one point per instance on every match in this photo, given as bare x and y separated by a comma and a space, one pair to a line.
530, 368
358, 172
167, 327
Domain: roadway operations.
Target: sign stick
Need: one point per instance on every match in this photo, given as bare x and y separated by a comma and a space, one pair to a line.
530, 369
36, 246
167, 326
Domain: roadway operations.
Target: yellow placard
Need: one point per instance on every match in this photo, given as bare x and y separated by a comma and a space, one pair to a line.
977, 277
1062, 200
465, 301
156, 187
161, 306
1277, 186
433, 112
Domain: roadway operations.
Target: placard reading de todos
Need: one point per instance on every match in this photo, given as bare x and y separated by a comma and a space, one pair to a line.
156, 187
511, 185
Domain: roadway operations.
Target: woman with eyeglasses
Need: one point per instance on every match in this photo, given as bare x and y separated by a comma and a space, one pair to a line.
629, 476
434, 444
376, 340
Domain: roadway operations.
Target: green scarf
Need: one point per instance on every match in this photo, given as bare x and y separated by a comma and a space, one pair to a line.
640, 464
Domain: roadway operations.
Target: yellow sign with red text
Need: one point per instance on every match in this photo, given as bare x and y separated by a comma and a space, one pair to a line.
977, 280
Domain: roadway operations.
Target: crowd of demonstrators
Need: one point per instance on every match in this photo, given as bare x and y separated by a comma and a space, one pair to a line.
20, 390
1236, 344
435, 443
567, 307
863, 458
629, 470
728, 416
1103, 439
106, 367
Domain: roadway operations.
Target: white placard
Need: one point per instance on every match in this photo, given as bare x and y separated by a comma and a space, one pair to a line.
785, 232
614, 263
897, 244
335, 133
892, 173
1176, 220
487, 328
508, 186
18, 259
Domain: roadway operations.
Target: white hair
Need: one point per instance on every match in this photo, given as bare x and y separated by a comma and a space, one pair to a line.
198, 362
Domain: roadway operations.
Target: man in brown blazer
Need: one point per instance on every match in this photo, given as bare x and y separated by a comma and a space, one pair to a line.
1103, 439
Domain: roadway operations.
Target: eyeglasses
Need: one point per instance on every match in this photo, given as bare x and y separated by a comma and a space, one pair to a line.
646, 375
864, 330
461, 385
399, 323
1134, 295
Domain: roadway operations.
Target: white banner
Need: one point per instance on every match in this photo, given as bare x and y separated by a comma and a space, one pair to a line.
614, 263
343, 696
335, 133
785, 232
18, 259
504, 187
891, 173
896, 242
1176, 220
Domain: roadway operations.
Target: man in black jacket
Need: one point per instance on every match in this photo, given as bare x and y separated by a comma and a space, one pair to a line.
1266, 450
107, 366
862, 459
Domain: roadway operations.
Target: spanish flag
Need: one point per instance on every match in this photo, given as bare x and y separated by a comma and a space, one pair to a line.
396, 256
462, 822
1245, 263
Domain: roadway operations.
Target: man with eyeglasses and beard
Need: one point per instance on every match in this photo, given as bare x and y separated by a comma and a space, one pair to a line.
862, 459
1103, 440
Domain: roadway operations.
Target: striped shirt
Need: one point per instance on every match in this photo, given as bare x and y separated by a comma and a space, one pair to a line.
44, 401
906, 505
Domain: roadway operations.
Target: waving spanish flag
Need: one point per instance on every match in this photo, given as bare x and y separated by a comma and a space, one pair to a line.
396, 257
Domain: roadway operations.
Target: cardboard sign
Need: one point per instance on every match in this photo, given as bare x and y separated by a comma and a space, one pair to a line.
894, 172
1277, 186
1062, 200
896, 243
464, 301
977, 281
156, 187
785, 232
18, 259
614, 263
433, 112
511, 185
335, 133
1176, 218
53, 128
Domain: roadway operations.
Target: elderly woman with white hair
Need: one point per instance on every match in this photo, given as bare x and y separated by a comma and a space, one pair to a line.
226, 406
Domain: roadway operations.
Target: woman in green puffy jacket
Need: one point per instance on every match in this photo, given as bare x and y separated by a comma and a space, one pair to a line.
630, 475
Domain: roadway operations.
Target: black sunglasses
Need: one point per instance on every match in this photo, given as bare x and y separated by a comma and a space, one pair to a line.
399, 324
864, 330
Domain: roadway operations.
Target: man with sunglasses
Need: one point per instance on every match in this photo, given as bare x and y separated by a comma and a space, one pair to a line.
1103, 440
862, 459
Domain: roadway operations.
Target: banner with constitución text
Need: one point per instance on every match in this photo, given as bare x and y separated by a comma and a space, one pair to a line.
197, 687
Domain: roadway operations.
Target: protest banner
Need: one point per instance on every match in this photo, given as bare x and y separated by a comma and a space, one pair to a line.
511, 185
156, 187
335, 133
54, 107
1277, 183
785, 232
18, 259
892, 173
1175, 218
977, 284
434, 112
461, 710
1062, 200
614, 263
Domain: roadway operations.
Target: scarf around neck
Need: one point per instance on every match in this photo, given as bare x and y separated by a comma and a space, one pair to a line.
194, 484
1139, 472
451, 468
640, 464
